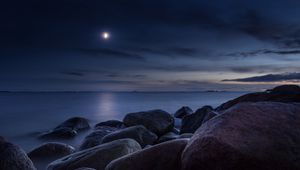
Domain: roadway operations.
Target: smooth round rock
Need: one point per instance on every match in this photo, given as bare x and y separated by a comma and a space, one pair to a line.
96, 157
139, 133
248, 136
51, 149
183, 111
13, 157
164, 156
157, 121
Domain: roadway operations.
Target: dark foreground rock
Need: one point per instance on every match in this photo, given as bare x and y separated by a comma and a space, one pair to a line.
165, 156
51, 149
111, 123
13, 158
285, 94
139, 133
67, 129
192, 122
249, 136
85, 168
157, 121
97, 157
183, 111
95, 138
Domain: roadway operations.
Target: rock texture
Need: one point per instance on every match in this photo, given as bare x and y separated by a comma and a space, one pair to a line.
249, 136
67, 129
157, 121
165, 156
183, 111
97, 157
192, 122
111, 123
13, 158
95, 138
51, 149
139, 133
285, 94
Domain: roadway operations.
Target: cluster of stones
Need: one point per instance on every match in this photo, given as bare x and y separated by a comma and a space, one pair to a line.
254, 131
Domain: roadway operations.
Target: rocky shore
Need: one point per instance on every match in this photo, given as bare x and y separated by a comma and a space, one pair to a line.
257, 131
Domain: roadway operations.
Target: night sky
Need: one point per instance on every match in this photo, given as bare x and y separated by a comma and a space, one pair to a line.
154, 45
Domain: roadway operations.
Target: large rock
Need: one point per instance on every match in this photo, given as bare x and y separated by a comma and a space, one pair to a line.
95, 138
157, 121
183, 111
285, 94
165, 156
13, 157
67, 129
75, 123
51, 149
192, 122
139, 133
249, 136
111, 123
96, 157
168, 136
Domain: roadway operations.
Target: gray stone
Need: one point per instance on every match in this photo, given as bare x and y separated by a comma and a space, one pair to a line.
192, 122
139, 133
164, 156
248, 136
157, 121
183, 111
96, 157
13, 157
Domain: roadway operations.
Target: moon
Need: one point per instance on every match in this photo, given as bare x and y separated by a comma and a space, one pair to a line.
105, 35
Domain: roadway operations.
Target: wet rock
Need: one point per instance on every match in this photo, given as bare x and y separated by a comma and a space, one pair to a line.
248, 136
168, 136
284, 94
157, 121
183, 111
186, 135
95, 138
75, 123
68, 129
63, 133
111, 123
139, 133
164, 156
96, 157
13, 157
192, 122
51, 149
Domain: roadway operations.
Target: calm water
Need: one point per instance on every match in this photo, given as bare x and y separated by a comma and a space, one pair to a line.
23, 115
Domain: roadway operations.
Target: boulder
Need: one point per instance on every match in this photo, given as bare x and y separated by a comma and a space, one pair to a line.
168, 136
139, 133
111, 123
192, 122
183, 111
51, 149
95, 138
13, 157
75, 123
96, 157
157, 121
59, 133
67, 129
164, 156
284, 94
286, 89
248, 136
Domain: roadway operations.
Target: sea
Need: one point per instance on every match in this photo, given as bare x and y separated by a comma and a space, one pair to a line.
25, 115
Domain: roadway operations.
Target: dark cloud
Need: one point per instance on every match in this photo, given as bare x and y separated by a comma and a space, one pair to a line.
105, 52
291, 77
